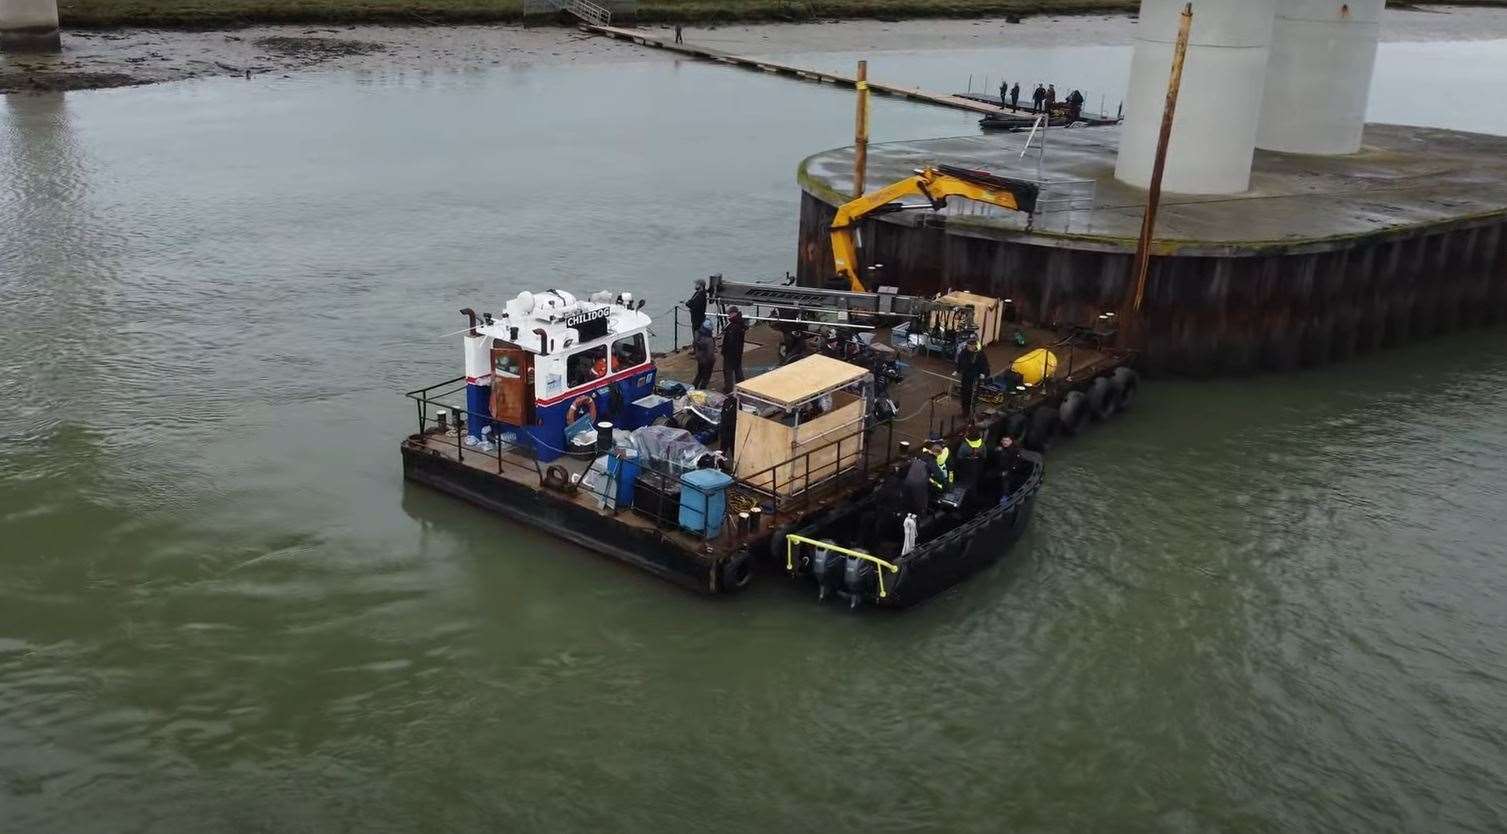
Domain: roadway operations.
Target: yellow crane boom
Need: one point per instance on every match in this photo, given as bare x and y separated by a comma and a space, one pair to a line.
936, 184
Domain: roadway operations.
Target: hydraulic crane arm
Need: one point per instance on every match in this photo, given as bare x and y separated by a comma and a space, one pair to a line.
936, 185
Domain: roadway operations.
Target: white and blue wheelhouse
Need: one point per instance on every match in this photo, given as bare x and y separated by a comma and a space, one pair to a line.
551, 362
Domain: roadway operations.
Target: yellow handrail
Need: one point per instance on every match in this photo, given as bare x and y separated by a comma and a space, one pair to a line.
794, 539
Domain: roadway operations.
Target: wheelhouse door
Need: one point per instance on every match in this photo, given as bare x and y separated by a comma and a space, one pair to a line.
512, 385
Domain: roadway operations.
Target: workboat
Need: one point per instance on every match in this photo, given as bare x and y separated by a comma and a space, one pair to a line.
565, 421
867, 551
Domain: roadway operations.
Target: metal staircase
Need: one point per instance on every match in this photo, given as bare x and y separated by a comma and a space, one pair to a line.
589, 12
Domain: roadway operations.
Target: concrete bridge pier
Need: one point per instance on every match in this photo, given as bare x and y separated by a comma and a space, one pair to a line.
1214, 135
29, 26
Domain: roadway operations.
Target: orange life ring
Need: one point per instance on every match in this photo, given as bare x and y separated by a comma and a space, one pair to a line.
574, 412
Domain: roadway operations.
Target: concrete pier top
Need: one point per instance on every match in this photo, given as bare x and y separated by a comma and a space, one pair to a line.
1404, 180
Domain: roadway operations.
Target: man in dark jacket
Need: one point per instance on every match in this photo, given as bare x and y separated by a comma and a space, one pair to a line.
1051, 97
994, 484
697, 305
705, 350
1015, 96
917, 483
968, 463
727, 429
732, 350
1037, 98
972, 366
1074, 105
1004, 92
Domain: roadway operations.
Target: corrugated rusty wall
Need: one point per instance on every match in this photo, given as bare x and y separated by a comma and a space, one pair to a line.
1209, 315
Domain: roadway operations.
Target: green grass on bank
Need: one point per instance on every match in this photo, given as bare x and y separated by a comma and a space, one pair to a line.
220, 13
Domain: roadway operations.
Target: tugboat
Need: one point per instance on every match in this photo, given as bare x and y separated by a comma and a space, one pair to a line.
550, 384
539, 376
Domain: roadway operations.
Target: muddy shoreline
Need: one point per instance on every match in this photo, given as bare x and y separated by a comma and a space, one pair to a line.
93, 59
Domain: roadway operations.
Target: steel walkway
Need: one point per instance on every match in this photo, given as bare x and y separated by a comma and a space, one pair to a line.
762, 65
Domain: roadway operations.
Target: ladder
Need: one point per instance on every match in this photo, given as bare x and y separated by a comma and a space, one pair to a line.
589, 12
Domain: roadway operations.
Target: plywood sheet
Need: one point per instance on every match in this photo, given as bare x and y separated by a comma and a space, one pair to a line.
801, 380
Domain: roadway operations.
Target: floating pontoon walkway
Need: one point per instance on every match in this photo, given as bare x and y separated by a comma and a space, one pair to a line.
706, 53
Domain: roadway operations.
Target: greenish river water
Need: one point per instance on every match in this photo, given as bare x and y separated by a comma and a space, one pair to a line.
1272, 604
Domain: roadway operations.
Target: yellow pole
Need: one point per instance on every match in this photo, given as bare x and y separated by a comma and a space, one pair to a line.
861, 130
1159, 167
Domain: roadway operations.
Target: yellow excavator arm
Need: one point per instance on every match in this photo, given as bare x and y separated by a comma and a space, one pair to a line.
936, 185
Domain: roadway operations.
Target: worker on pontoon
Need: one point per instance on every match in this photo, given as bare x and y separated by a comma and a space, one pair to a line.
705, 351
697, 305
732, 349
1074, 105
972, 366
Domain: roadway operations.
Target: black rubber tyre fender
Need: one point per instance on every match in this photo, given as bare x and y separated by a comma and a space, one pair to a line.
1125, 381
737, 572
1016, 425
1101, 399
1073, 413
1042, 430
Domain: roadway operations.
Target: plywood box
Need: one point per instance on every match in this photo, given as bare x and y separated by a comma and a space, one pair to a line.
779, 458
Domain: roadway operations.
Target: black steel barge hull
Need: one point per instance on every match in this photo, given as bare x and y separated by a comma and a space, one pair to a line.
639, 545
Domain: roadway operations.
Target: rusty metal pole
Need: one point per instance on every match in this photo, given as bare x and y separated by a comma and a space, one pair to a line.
861, 130
1154, 195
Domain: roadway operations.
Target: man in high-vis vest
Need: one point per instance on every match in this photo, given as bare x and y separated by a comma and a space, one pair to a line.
969, 463
937, 471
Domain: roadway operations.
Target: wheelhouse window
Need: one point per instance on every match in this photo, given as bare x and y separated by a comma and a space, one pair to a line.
629, 352
506, 365
586, 366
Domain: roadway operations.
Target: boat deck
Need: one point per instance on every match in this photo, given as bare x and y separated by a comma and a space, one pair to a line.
922, 397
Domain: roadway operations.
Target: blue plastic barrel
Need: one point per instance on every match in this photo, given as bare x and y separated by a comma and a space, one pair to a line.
703, 501
622, 470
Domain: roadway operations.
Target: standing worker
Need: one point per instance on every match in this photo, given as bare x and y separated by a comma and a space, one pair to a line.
1004, 92
697, 305
678, 38
1015, 96
1051, 97
1038, 97
969, 464
732, 350
938, 476
994, 485
727, 426
915, 484
1074, 105
705, 351
972, 366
